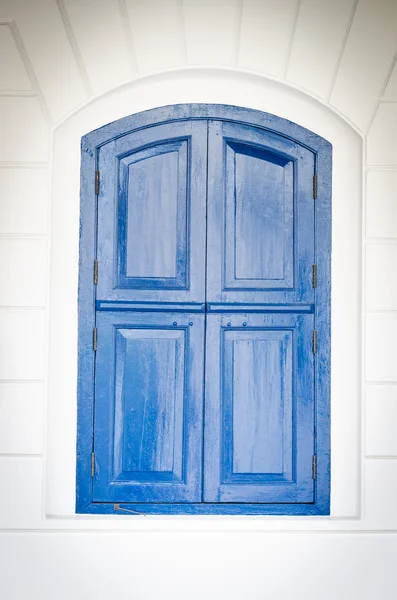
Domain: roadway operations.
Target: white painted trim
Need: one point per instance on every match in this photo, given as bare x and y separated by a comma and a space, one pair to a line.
234, 87
203, 70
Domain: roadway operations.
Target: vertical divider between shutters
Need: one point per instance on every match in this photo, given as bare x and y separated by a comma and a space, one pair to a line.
205, 318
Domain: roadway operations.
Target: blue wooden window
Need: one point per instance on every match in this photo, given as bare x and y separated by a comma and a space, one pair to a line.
204, 315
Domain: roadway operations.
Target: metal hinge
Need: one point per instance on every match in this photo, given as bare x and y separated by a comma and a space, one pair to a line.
95, 272
92, 464
314, 276
314, 466
95, 339
314, 341
97, 182
314, 186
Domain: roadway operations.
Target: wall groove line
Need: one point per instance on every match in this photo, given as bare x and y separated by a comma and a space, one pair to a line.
292, 37
74, 46
380, 99
122, 7
341, 51
237, 34
30, 72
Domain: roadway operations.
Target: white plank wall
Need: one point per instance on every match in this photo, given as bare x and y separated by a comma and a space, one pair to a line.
318, 42
266, 35
13, 76
391, 88
56, 56
158, 39
237, 566
100, 40
212, 31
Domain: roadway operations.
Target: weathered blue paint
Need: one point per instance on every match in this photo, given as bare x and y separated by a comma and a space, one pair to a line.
151, 215
259, 408
260, 217
204, 508
264, 233
149, 407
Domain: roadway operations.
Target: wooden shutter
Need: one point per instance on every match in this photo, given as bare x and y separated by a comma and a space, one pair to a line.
259, 401
148, 407
198, 376
150, 358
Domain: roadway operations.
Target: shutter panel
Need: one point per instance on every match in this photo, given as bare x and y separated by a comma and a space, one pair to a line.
148, 408
151, 216
259, 408
260, 217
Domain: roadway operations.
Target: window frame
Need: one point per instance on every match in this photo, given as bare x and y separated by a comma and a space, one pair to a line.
322, 150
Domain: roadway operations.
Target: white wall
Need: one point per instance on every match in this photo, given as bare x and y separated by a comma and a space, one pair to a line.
219, 87
325, 64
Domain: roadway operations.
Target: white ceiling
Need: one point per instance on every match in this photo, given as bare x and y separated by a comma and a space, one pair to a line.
64, 52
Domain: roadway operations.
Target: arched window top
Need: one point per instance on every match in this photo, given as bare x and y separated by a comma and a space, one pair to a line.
220, 112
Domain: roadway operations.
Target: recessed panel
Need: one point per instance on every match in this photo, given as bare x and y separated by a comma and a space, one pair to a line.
149, 404
153, 209
257, 396
259, 219
152, 217
149, 384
